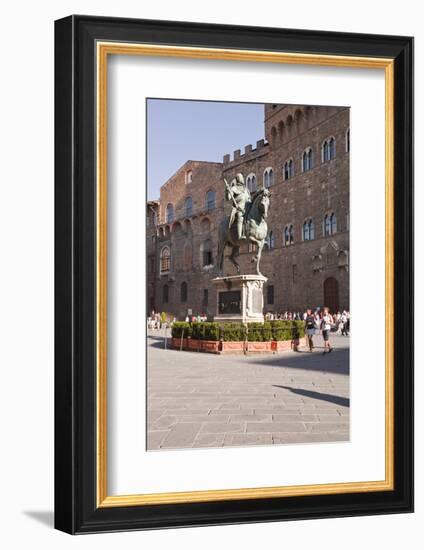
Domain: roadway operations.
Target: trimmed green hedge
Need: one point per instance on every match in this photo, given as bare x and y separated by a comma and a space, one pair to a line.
298, 329
287, 330
211, 331
233, 332
205, 331
181, 329
236, 332
259, 332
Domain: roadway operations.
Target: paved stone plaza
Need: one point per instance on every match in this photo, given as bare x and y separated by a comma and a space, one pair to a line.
204, 400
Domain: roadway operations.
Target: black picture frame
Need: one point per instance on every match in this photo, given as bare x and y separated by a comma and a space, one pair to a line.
76, 508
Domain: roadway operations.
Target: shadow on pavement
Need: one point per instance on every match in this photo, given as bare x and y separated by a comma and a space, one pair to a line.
337, 400
158, 337
335, 362
160, 343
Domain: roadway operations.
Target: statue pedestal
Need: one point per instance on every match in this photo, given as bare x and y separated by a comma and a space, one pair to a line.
240, 298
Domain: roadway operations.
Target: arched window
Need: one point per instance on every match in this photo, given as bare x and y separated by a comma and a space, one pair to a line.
165, 260
333, 223
332, 148
328, 150
307, 160
347, 141
306, 234
210, 200
288, 169
177, 230
165, 294
188, 207
170, 213
308, 230
330, 224
189, 176
270, 241
268, 177
207, 255
183, 292
325, 151
288, 235
251, 182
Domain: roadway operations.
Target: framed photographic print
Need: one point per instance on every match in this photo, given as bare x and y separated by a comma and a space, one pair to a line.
233, 265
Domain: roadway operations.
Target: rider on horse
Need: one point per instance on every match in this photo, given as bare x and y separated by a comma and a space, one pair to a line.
249, 212
239, 195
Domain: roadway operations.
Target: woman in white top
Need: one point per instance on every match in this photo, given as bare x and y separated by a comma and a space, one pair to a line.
326, 323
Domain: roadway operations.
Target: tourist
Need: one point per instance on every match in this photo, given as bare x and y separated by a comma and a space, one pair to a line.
310, 328
345, 321
326, 324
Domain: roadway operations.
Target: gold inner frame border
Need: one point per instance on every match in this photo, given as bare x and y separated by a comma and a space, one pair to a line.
103, 50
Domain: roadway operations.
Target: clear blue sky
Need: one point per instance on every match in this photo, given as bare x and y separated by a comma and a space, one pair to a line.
179, 130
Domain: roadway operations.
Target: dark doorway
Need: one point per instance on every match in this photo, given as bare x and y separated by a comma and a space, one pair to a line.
331, 294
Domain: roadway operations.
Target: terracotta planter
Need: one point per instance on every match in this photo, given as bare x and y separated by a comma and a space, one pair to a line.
259, 347
209, 346
176, 343
232, 347
281, 345
193, 345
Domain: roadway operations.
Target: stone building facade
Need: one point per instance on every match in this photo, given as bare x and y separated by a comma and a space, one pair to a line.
304, 161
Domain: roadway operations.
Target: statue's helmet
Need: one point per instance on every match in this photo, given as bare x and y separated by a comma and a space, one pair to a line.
240, 178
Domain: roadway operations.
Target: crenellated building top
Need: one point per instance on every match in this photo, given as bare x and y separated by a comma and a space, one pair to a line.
249, 151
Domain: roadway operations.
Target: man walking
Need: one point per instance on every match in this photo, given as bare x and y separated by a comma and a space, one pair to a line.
310, 328
326, 324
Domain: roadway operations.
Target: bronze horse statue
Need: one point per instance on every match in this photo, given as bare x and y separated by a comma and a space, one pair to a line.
256, 230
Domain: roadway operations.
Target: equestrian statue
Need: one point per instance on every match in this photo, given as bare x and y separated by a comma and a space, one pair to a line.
245, 223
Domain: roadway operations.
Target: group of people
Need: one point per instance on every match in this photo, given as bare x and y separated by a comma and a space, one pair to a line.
156, 321
325, 322
196, 318
319, 320
286, 316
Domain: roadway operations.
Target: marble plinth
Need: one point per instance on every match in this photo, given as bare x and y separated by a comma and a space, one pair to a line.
240, 298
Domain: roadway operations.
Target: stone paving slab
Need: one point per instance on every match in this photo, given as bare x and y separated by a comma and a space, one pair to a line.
287, 438
222, 428
281, 427
251, 418
198, 400
295, 418
240, 440
181, 436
